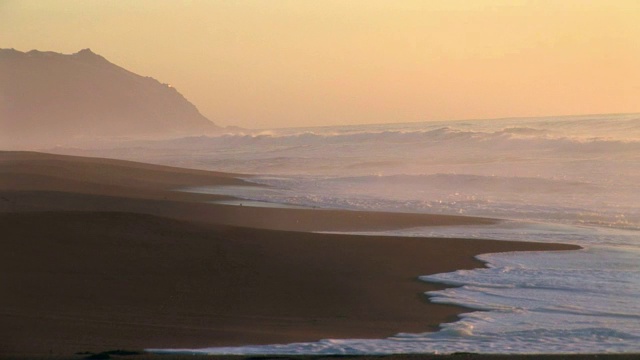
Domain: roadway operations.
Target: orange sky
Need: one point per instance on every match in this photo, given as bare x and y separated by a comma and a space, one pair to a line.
277, 63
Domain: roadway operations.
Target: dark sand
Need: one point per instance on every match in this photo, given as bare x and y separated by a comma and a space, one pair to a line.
46, 182
456, 356
101, 254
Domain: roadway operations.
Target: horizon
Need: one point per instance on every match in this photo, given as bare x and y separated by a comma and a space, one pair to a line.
560, 116
302, 64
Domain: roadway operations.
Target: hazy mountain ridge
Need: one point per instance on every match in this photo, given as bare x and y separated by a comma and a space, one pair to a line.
50, 98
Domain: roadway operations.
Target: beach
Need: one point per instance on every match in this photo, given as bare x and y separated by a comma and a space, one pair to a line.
104, 254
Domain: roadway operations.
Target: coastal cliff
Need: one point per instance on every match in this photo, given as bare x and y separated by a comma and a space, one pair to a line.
50, 98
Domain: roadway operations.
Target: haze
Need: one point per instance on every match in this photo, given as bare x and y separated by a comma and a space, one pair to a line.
261, 64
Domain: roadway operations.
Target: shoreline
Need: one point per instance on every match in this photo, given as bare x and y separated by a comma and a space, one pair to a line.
136, 355
102, 254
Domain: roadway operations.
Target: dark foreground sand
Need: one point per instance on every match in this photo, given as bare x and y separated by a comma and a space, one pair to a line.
457, 356
101, 254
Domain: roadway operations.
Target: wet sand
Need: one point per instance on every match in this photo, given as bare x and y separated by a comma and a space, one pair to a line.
103, 254
456, 356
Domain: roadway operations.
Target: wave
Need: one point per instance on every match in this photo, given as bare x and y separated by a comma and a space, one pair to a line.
512, 138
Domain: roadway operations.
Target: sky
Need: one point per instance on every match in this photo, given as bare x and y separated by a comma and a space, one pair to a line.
276, 63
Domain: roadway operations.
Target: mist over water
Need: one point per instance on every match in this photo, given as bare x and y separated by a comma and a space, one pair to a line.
564, 179
574, 170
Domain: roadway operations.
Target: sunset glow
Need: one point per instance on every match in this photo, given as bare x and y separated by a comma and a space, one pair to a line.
298, 63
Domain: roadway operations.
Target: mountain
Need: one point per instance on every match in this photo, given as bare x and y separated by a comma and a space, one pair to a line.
50, 98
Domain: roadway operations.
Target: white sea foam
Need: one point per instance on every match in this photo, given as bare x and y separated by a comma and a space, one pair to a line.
582, 301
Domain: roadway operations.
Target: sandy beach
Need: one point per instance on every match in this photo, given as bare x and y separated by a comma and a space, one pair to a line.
102, 254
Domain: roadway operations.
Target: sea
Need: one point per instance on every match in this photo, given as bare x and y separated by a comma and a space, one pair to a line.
569, 179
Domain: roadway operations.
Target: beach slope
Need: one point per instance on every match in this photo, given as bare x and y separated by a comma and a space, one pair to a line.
102, 254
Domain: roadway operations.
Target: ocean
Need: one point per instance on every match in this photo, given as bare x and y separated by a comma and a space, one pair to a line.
571, 179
